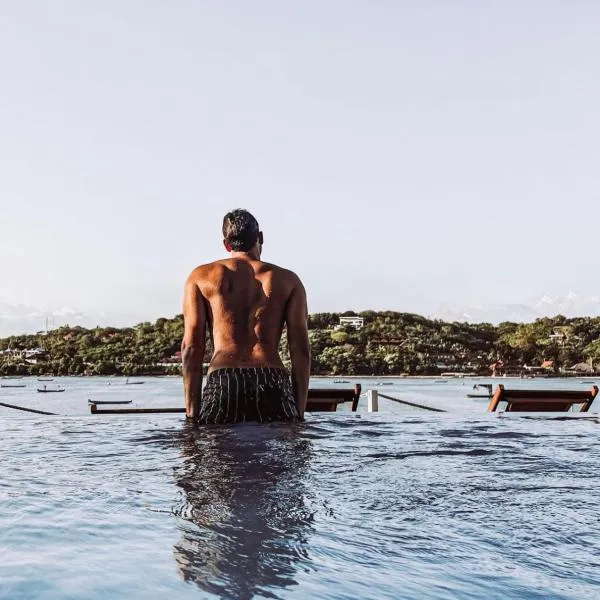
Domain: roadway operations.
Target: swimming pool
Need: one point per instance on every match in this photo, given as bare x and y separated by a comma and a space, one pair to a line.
390, 505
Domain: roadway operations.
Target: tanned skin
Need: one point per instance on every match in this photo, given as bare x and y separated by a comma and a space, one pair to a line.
244, 303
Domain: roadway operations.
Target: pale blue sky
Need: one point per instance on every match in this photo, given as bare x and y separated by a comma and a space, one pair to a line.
398, 155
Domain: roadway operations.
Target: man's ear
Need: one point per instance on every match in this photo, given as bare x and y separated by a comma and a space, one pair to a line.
260, 238
227, 246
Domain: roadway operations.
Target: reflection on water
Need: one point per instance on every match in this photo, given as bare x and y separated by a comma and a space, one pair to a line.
246, 522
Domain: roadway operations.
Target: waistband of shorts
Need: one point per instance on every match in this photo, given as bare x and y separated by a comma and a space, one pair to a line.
249, 371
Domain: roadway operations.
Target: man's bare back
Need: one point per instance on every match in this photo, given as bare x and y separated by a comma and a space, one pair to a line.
244, 304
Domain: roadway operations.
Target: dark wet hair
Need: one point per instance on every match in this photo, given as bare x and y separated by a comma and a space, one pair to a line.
240, 230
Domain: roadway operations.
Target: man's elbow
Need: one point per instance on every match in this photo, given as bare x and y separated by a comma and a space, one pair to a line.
191, 356
300, 351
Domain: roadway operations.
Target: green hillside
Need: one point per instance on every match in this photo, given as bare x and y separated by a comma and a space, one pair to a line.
387, 343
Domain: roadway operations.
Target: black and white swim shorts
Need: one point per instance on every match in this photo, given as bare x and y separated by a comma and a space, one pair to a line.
236, 395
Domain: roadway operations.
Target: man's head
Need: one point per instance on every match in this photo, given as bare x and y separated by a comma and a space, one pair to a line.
241, 232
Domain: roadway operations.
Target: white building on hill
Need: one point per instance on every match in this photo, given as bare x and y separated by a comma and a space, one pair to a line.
356, 322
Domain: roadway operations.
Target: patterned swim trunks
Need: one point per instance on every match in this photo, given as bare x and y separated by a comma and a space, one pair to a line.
236, 395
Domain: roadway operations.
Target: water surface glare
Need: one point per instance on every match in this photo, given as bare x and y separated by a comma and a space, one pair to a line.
389, 505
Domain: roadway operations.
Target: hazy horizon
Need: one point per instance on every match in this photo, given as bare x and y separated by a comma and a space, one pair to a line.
17, 320
422, 158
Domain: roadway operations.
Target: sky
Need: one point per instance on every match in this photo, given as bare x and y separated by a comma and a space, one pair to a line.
398, 155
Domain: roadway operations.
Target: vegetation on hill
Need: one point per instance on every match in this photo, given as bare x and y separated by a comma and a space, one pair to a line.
389, 343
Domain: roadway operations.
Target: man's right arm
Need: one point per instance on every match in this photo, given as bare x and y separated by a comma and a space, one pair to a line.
297, 335
193, 346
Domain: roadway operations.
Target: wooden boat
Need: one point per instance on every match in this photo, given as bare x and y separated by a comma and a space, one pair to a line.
340, 381
110, 401
47, 391
13, 385
45, 378
127, 382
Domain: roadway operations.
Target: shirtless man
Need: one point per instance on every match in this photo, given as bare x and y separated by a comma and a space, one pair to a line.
245, 304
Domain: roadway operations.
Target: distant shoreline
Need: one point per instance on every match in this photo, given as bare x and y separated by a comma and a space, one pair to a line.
385, 344
320, 376
452, 378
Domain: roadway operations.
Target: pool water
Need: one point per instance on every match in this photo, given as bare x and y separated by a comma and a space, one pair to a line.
395, 504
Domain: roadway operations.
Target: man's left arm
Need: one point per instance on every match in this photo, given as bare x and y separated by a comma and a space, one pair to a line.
193, 346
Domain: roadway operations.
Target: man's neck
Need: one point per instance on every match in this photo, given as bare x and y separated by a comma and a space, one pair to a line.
250, 255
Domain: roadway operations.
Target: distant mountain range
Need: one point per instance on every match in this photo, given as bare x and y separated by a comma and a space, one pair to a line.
16, 319
571, 305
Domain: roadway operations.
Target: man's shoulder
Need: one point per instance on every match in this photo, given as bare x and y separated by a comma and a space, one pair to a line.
281, 272
214, 269
206, 268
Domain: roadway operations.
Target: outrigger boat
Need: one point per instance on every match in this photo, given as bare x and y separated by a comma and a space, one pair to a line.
110, 401
487, 386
